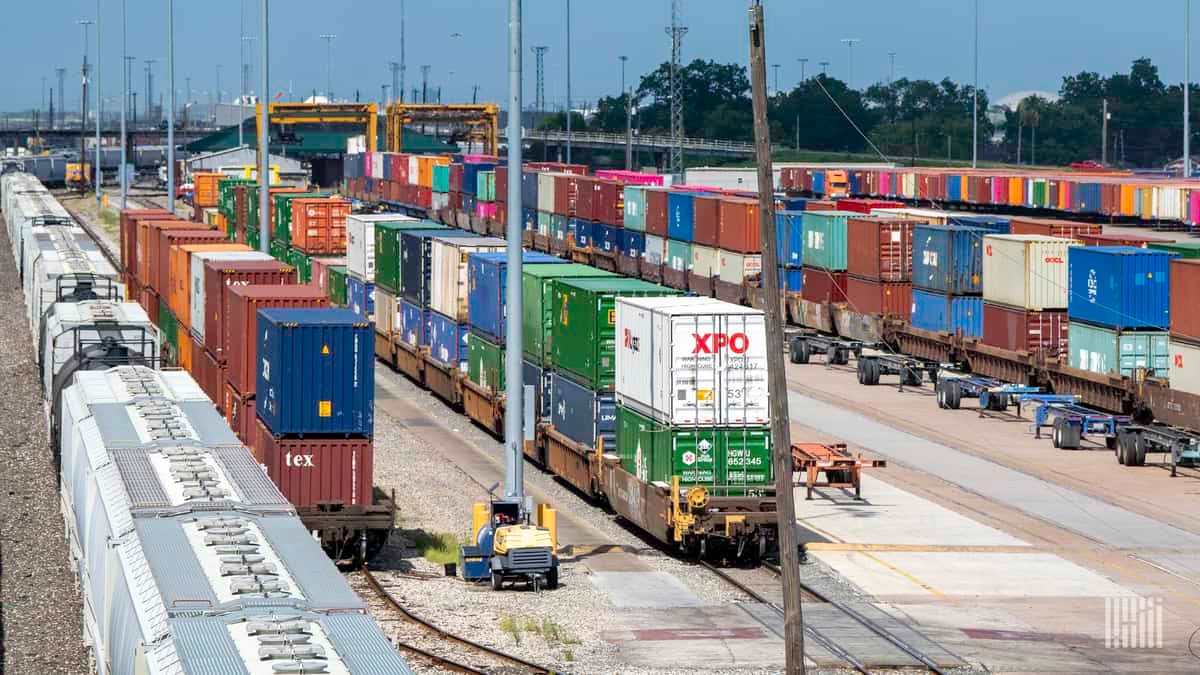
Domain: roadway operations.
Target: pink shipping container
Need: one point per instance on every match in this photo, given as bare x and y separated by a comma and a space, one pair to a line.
485, 209
320, 270
309, 471
1194, 207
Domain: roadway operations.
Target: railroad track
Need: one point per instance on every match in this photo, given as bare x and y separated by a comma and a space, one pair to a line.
394, 605
820, 638
100, 238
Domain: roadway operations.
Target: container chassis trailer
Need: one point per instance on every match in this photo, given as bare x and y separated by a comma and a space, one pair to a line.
1072, 422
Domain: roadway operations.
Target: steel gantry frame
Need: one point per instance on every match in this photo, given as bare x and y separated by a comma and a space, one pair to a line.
479, 122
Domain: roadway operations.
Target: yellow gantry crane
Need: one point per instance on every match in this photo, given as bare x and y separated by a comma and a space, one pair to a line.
287, 115
469, 122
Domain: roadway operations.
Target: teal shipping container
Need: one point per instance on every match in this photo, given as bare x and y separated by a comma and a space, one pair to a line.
679, 255
635, 208
825, 239
1106, 351
441, 177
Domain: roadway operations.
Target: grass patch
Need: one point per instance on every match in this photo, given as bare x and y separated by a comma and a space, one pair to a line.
551, 631
109, 217
512, 626
438, 548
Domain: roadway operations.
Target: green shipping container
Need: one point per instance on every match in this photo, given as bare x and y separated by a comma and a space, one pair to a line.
543, 223
279, 251
169, 327
635, 208
252, 239
282, 230
387, 250
337, 285
302, 262
558, 227
485, 186
825, 239
485, 363
726, 456
679, 255
1104, 350
537, 293
441, 177
1185, 249
584, 319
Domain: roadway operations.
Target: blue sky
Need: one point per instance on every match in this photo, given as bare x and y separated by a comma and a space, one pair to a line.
1024, 45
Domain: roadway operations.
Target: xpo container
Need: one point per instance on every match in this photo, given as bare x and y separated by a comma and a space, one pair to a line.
487, 279
584, 325
316, 372
736, 457
692, 360
1028, 271
448, 271
310, 471
1120, 287
948, 259
1107, 351
1185, 367
538, 307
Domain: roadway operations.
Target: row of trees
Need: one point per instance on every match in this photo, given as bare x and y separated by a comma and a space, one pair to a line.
917, 118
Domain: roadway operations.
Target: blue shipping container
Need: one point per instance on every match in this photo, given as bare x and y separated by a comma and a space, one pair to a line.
948, 258
606, 237
1120, 286
789, 237
414, 322
529, 191
360, 296
784, 203
994, 224
581, 414
471, 176
487, 276
681, 216
530, 219
1088, 196
818, 183
632, 242
954, 187
583, 232
447, 341
947, 313
316, 372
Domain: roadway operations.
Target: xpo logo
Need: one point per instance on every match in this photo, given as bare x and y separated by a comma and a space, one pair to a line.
298, 460
710, 343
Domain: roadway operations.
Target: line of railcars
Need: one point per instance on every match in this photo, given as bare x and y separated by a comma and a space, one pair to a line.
189, 558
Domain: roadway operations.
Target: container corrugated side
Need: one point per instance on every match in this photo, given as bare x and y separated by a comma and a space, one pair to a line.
310, 471
1185, 366
1103, 350
1185, 289
1026, 271
538, 308
948, 259
581, 414
1120, 287
825, 239
487, 280
947, 313
448, 269
241, 324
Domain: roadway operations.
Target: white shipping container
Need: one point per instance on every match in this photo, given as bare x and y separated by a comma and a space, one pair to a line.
414, 171
377, 159
692, 361
440, 200
704, 261
1026, 270
448, 272
387, 312
545, 199
737, 267
1185, 367
656, 249
198, 308
360, 241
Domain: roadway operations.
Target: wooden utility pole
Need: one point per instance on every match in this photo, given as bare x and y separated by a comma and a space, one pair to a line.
781, 455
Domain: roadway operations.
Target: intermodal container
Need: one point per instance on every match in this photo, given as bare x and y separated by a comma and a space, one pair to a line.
539, 378
606, 238
131, 243
584, 325
789, 236
707, 219
239, 413
315, 471
1027, 271
487, 306
360, 297
485, 362
241, 324
582, 415
635, 208
1104, 350
1185, 366
995, 224
388, 249
738, 268
681, 216
948, 259
825, 239
1065, 229
319, 270
1185, 249
734, 457
449, 272
160, 256
1185, 289
447, 341
361, 241
582, 230
219, 277
631, 242
282, 224
739, 226
319, 225
199, 305
880, 248
891, 299
179, 279
947, 313
656, 212
1134, 240
1023, 330
316, 372
656, 249
387, 313
823, 286
1120, 287
705, 262
416, 262
414, 324
678, 255
539, 310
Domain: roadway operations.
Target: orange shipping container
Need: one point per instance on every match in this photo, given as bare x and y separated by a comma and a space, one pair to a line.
206, 191
127, 234
148, 239
319, 225
179, 299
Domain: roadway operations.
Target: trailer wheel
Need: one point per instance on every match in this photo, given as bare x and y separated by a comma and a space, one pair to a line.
940, 392
912, 377
1110, 442
839, 356
800, 351
1138, 458
868, 372
997, 403
1066, 435
1125, 443
953, 394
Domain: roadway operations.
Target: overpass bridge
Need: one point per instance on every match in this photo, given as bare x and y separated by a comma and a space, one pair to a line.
594, 140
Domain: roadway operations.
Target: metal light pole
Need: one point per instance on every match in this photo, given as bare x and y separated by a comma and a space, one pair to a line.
171, 106
849, 42
399, 93
803, 66
124, 106
218, 84
775, 67
623, 60
329, 38
975, 98
1187, 89
824, 67
99, 109
241, 70
892, 67
568, 83
1104, 132
514, 415
264, 147
83, 99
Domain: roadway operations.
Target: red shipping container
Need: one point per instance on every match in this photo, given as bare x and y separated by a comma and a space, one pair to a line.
1020, 330
822, 286
313, 470
148, 299
820, 205
656, 212
1067, 229
1134, 240
879, 248
206, 371
160, 267
239, 413
319, 225
147, 243
565, 190
1185, 288
707, 212
892, 299
866, 205
219, 276
127, 234
608, 202
501, 183
241, 324
585, 198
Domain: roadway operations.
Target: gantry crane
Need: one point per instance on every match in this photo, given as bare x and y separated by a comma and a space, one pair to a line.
469, 122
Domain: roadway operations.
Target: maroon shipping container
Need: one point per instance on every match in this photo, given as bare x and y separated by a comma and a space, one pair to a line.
148, 299
160, 265
127, 234
1185, 289
313, 470
241, 324
239, 413
823, 286
656, 212
739, 227
1067, 229
585, 198
566, 194
1134, 240
1020, 330
879, 248
219, 275
608, 202
502, 183
456, 177
707, 220
866, 205
892, 299
207, 373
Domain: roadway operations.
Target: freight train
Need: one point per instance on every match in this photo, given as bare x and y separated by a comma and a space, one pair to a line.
189, 558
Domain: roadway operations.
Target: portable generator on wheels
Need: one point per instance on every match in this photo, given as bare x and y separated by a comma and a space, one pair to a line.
508, 547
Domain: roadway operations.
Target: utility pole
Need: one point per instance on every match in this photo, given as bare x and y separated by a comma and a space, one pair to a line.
264, 135
99, 111
241, 115
568, 81
781, 455
803, 67
1104, 132
397, 87
474, 94
329, 38
171, 106
629, 130
1187, 88
425, 83
150, 87
892, 68
514, 414
975, 97
850, 42
218, 84
539, 90
775, 67
124, 103
623, 59
383, 88
62, 86
399, 93
241, 71
676, 30
50, 114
